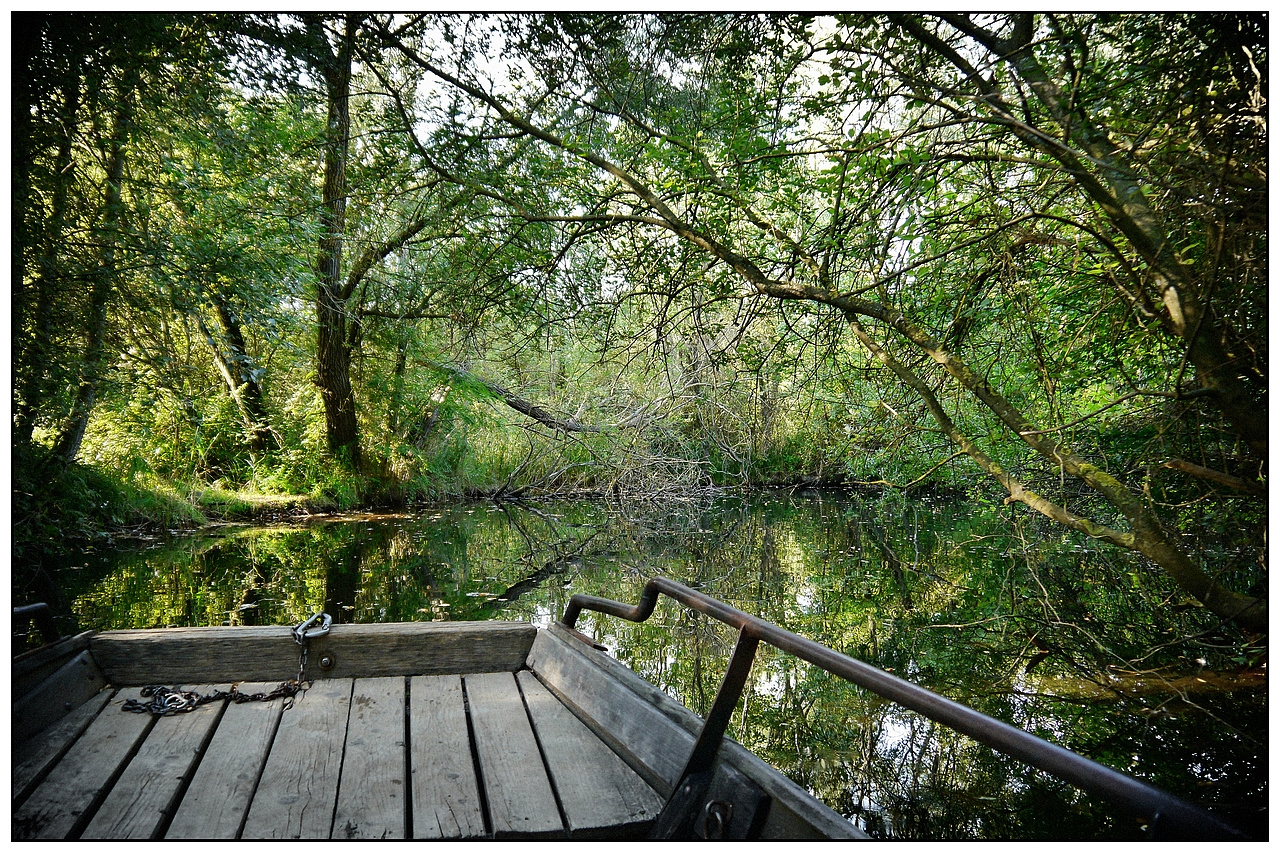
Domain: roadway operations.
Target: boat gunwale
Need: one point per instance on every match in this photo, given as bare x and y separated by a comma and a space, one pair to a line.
131, 657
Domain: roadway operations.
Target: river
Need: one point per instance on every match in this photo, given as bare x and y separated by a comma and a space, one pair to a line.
1080, 645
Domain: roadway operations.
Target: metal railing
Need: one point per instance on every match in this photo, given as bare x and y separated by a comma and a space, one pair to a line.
1168, 817
42, 616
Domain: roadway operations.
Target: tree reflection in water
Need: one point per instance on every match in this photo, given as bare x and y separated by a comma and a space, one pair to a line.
1029, 626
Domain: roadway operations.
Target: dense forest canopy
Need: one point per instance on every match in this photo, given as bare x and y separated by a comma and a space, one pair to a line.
378, 257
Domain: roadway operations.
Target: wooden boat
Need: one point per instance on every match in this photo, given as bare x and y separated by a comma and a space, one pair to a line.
429, 730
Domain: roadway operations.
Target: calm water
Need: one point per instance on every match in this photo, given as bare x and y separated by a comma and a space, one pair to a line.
1020, 622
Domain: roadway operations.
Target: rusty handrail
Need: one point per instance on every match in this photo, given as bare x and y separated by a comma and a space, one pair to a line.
1167, 815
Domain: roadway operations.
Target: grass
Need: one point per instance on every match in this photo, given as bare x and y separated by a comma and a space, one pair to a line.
216, 503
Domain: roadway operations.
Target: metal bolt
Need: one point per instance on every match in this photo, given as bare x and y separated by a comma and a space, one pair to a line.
326, 661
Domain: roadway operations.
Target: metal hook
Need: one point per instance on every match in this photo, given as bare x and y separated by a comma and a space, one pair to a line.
305, 631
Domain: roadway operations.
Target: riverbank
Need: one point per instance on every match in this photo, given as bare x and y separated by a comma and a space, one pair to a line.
58, 510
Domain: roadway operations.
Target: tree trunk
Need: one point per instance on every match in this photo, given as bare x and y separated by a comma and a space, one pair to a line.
249, 397
333, 355
240, 375
31, 363
397, 387
104, 279
26, 32
521, 405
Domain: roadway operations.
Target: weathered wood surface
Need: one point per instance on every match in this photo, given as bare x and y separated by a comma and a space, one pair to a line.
61, 804
218, 799
446, 796
516, 785
61, 692
601, 796
146, 794
32, 667
371, 794
547, 753
170, 655
658, 748
299, 785
620, 707
33, 756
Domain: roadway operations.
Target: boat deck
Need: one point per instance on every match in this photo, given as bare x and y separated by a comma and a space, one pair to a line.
489, 755
461, 730
408, 730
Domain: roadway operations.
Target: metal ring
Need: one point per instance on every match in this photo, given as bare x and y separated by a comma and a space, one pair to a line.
176, 699
305, 631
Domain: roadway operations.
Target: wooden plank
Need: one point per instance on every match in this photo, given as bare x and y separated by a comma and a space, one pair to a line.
516, 786
146, 794
268, 653
33, 757
299, 785
446, 796
75, 682
601, 796
30, 668
68, 796
644, 725
634, 726
218, 798
371, 796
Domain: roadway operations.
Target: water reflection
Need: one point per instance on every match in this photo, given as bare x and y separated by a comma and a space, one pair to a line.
921, 588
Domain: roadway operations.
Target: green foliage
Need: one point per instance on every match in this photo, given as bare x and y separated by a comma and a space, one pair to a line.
60, 509
629, 265
339, 489
596, 262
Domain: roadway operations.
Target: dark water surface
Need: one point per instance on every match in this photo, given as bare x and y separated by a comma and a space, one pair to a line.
1028, 626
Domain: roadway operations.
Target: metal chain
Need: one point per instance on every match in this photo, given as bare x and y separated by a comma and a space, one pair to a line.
167, 701
302, 665
302, 636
